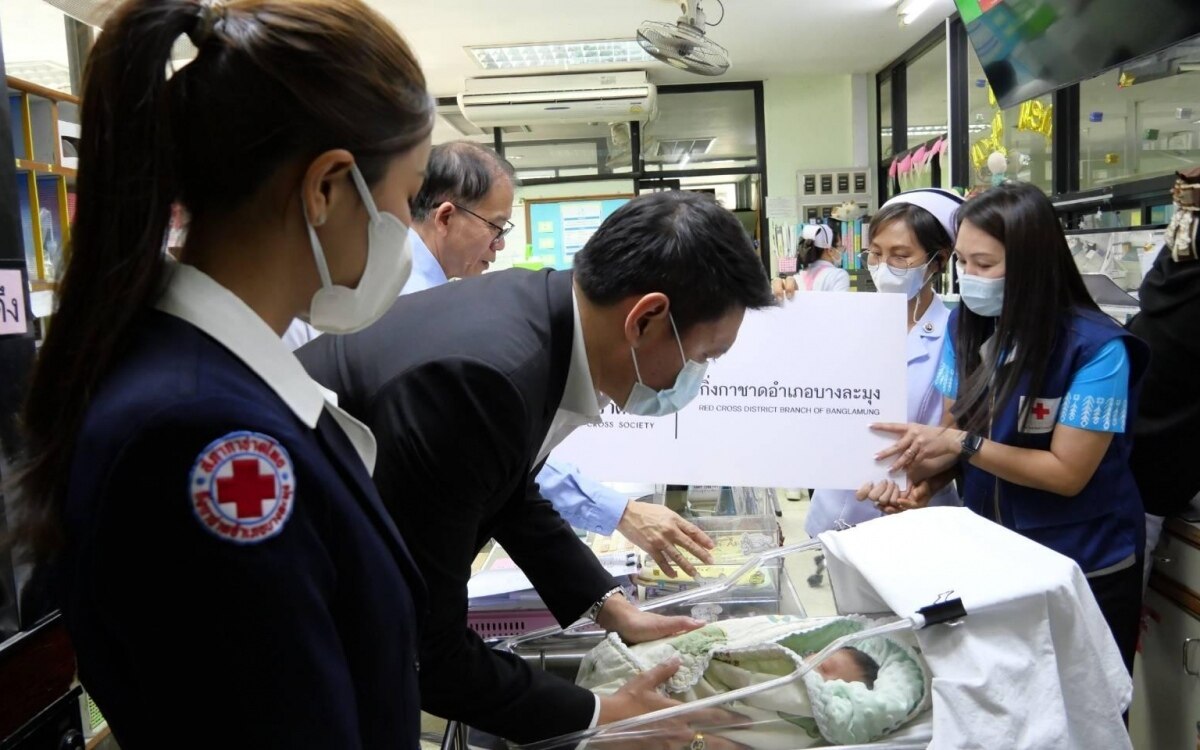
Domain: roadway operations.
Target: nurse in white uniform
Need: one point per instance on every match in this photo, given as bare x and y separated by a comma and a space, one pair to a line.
821, 253
912, 237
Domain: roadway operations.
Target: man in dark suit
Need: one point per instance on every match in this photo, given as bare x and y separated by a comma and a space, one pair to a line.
470, 385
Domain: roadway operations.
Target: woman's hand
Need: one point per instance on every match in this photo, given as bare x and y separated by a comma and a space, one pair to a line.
932, 449
784, 288
889, 498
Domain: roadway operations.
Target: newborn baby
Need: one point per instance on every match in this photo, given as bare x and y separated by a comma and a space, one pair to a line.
849, 665
854, 696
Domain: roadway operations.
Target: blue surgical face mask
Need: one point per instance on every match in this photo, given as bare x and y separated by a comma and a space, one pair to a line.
644, 401
981, 296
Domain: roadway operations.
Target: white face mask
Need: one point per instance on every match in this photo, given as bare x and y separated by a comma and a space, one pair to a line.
340, 309
646, 402
910, 284
981, 296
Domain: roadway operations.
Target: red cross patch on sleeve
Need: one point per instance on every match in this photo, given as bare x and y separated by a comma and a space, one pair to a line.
1043, 415
242, 487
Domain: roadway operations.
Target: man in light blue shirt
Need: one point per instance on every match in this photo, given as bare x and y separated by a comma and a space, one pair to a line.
460, 219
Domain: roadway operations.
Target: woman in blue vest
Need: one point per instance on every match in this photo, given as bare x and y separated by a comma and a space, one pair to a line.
208, 519
1041, 387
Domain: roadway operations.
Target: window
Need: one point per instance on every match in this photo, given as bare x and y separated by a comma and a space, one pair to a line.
927, 105
35, 44
1140, 124
550, 151
1023, 133
886, 143
701, 130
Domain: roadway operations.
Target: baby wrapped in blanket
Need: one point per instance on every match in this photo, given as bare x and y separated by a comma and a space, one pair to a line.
857, 695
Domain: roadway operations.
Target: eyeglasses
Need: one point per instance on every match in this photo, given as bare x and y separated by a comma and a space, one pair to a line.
500, 231
897, 265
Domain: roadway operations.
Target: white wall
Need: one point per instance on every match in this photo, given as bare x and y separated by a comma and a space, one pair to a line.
514, 246
810, 125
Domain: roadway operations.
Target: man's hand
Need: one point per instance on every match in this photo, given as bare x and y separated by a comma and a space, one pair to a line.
643, 694
618, 615
660, 531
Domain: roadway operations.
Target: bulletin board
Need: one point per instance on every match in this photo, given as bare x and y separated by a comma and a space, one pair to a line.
560, 228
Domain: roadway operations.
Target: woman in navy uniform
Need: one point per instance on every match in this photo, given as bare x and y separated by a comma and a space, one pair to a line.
227, 573
1042, 387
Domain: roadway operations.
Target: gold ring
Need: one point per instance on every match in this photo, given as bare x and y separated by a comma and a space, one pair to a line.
698, 742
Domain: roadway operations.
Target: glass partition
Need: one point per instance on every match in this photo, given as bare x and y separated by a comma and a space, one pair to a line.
1135, 126
887, 147
1023, 134
701, 130
927, 104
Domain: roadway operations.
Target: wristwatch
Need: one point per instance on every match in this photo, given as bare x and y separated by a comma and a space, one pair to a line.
594, 611
971, 444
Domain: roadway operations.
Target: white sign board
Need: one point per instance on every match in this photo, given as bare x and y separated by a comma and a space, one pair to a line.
781, 207
789, 406
12, 302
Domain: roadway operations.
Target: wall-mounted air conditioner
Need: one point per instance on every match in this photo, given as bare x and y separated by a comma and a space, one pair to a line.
569, 98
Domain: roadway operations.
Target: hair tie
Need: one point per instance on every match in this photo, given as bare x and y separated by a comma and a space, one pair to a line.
209, 14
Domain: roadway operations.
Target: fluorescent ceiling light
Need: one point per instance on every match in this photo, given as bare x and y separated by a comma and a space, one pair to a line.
910, 9
559, 54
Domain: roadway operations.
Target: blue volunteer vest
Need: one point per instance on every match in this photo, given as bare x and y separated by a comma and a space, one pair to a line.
1104, 524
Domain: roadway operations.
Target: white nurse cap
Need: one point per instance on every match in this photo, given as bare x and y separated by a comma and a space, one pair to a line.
943, 204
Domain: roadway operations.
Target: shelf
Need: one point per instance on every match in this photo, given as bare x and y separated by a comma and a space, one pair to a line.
1187, 599
24, 165
1188, 532
26, 87
99, 737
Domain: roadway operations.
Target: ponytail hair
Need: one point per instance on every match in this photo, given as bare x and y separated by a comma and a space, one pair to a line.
274, 82
815, 239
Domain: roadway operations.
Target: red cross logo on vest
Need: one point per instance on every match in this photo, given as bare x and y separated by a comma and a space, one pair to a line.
243, 487
1042, 417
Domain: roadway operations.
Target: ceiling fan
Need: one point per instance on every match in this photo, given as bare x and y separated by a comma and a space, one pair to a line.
684, 44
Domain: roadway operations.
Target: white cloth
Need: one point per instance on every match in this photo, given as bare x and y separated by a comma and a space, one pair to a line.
924, 407
192, 295
1154, 527
1033, 665
580, 403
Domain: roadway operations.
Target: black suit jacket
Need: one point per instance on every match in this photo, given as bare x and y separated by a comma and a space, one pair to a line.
460, 384
1166, 429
